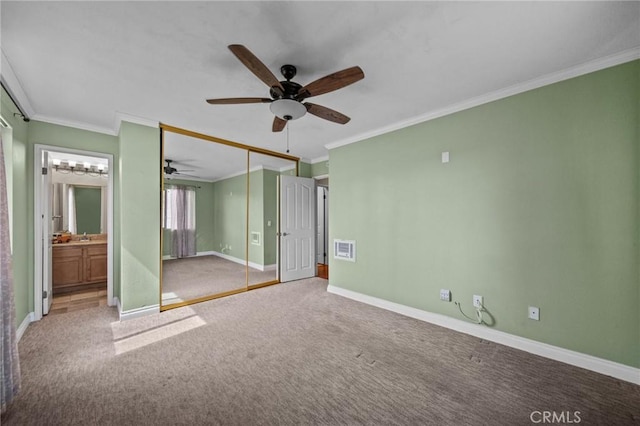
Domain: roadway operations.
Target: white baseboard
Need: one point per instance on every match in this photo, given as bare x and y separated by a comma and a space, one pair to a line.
138, 312
23, 325
253, 265
271, 267
589, 362
200, 253
227, 257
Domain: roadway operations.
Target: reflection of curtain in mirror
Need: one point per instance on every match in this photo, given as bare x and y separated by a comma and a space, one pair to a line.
180, 217
103, 209
57, 208
71, 208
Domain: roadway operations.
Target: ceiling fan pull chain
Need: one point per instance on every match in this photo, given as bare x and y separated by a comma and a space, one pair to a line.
288, 137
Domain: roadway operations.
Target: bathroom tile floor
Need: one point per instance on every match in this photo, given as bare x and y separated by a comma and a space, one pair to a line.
78, 299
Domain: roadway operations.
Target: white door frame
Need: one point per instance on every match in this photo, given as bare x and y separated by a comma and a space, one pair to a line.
47, 267
37, 223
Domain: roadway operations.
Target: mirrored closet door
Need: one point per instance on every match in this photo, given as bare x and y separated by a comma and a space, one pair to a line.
219, 217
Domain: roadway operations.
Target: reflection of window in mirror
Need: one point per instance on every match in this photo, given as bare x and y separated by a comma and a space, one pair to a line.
180, 219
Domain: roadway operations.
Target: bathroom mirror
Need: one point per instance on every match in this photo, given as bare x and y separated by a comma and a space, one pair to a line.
78, 207
219, 216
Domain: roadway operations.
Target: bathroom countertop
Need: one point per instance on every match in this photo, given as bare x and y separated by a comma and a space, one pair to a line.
80, 243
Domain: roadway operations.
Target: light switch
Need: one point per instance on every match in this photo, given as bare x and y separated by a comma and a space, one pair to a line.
268, 223
445, 157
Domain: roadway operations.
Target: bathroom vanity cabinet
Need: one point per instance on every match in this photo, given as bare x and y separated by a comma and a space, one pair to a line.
79, 263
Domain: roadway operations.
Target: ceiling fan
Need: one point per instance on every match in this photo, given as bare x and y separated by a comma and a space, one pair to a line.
169, 170
287, 96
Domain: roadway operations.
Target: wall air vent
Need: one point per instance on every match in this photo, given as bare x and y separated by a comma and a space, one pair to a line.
344, 250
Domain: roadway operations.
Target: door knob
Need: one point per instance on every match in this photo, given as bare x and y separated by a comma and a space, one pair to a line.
284, 234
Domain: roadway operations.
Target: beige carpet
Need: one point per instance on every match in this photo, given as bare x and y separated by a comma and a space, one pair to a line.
193, 277
292, 354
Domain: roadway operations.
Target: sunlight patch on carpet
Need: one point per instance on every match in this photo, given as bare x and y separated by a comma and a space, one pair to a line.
157, 334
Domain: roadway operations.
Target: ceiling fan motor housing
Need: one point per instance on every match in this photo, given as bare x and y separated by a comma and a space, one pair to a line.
291, 89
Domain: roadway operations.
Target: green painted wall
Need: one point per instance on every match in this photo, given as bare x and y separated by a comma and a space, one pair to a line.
256, 215
320, 169
230, 216
88, 201
270, 200
263, 215
204, 216
139, 215
304, 170
539, 206
22, 246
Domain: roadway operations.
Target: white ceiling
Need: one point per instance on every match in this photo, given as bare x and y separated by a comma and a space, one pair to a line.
202, 160
83, 63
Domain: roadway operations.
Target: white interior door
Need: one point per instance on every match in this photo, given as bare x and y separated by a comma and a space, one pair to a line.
47, 249
297, 228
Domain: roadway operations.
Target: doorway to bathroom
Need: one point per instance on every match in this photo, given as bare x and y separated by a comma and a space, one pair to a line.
73, 224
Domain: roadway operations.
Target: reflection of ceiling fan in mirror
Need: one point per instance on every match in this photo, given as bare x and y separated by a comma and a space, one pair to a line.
170, 171
287, 96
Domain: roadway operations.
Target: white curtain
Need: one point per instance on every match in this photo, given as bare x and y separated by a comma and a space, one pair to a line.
71, 208
103, 209
180, 219
9, 364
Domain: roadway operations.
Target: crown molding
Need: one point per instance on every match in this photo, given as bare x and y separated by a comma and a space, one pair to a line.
74, 124
556, 77
12, 84
320, 159
130, 118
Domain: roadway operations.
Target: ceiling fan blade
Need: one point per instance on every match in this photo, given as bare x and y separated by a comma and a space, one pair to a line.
185, 174
229, 101
255, 65
326, 113
331, 82
278, 124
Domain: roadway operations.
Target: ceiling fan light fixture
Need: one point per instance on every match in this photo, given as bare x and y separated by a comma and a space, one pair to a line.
288, 109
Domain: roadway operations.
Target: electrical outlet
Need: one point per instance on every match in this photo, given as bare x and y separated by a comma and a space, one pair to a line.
445, 295
477, 301
534, 313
